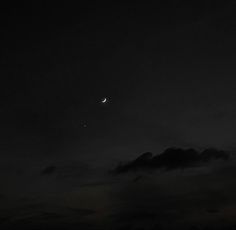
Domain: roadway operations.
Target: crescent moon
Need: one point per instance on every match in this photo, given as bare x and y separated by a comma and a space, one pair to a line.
104, 100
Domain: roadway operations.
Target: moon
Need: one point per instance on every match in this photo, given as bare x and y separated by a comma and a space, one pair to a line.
104, 100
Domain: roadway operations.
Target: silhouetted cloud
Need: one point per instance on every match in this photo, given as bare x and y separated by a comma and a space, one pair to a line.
211, 154
173, 158
72, 170
213, 211
48, 170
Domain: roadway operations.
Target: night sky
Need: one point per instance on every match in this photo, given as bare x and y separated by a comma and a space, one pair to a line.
87, 88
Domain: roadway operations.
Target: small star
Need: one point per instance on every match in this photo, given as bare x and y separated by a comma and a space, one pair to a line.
84, 125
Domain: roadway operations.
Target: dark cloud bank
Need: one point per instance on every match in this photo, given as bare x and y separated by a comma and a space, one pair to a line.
172, 158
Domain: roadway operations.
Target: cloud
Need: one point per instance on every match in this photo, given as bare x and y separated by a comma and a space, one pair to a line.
76, 169
173, 158
48, 170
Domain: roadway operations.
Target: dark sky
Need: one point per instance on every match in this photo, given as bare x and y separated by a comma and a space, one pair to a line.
167, 70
